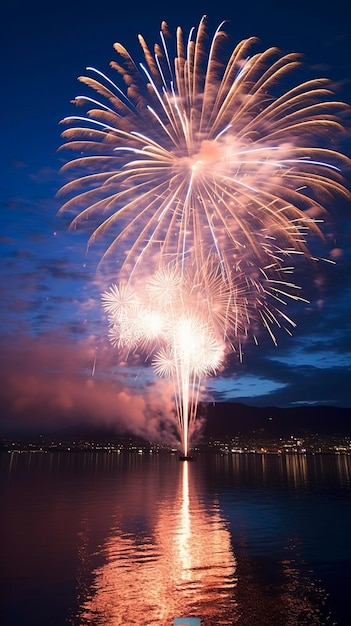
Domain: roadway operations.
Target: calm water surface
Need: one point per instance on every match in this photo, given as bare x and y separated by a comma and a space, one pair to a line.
106, 539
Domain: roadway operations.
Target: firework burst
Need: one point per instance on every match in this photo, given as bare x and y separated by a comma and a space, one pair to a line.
205, 171
182, 341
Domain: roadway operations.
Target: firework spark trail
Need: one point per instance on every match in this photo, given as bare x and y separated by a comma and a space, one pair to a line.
177, 333
212, 172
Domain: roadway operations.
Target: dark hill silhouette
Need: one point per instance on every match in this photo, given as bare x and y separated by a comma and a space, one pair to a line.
226, 418
221, 420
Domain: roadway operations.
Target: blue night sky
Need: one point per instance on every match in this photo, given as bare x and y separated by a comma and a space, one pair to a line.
57, 365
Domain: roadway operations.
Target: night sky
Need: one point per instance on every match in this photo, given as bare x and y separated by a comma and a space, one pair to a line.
57, 366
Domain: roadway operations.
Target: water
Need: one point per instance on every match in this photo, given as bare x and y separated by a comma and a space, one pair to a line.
105, 539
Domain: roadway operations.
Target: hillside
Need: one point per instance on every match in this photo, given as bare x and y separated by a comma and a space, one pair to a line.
225, 419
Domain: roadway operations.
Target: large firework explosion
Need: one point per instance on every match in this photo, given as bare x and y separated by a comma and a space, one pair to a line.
206, 174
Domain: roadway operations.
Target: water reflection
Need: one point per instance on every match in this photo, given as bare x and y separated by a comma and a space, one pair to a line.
344, 469
185, 567
296, 467
104, 539
297, 471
